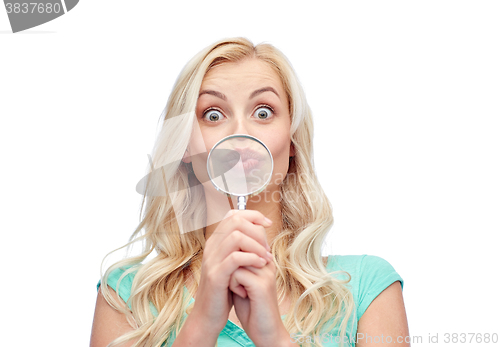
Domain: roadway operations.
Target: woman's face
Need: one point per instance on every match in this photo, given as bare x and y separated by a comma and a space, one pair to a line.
246, 97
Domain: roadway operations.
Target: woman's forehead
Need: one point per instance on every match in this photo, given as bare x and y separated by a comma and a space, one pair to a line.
247, 72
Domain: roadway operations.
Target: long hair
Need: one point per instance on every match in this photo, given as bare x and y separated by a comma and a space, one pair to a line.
319, 297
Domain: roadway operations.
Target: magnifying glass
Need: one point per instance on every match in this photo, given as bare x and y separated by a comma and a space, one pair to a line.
241, 166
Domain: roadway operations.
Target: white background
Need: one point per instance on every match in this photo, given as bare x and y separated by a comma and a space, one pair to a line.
406, 104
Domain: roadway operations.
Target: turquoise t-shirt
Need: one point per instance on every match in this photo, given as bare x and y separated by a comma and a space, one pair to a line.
370, 275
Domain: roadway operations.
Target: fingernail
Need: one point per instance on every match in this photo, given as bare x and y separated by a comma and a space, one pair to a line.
268, 220
267, 247
270, 256
263, 261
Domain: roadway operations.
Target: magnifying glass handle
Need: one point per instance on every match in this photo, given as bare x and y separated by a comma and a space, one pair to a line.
242, 202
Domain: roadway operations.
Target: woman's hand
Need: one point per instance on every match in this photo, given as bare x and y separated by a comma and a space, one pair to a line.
258, 309
238, 241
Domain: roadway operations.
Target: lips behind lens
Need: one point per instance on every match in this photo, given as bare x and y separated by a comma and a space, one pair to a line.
240, 165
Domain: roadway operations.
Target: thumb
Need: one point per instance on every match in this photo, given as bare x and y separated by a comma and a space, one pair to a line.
236, 287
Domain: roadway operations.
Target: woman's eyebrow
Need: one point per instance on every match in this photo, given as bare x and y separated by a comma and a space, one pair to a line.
214, 93
262, 90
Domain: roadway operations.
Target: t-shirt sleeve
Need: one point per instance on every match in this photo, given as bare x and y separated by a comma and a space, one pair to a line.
122, 285
375, 275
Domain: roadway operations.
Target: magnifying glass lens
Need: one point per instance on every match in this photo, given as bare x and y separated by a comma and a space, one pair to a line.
240, 165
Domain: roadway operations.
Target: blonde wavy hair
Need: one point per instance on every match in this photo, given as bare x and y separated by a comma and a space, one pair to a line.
319, 296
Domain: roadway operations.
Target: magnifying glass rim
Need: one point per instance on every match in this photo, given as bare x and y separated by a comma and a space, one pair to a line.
263, 185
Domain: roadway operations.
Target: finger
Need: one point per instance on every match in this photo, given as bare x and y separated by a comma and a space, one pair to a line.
246, 278
252, 216
257, 271
255, 231
237, 288
235, 260
251, 223
237, 241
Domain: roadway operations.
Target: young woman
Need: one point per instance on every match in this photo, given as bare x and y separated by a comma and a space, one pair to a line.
249, 277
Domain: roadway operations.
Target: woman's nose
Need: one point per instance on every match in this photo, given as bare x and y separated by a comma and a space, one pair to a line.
241, 126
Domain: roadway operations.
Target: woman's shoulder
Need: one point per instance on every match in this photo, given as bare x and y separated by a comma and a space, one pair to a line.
368, 276
356, 262
120, 280
362, 268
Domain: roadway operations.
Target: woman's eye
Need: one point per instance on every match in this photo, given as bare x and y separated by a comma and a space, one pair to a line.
213, 115
263, 113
